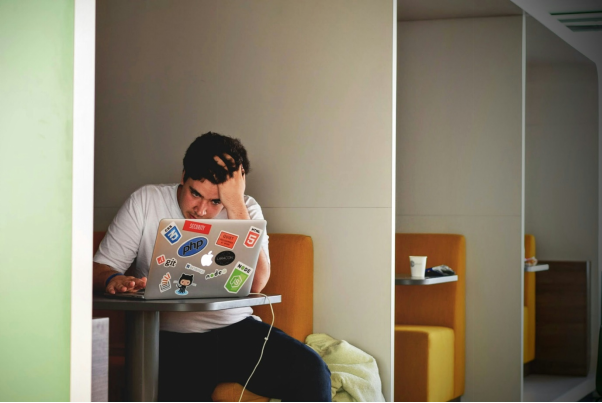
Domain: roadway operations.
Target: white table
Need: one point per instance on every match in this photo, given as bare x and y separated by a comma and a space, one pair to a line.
536, 268
408, 280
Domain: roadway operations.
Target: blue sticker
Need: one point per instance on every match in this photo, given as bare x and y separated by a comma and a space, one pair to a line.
172, 233
192, 246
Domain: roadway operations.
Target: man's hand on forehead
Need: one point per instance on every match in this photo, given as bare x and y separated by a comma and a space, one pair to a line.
231, 192
230, 168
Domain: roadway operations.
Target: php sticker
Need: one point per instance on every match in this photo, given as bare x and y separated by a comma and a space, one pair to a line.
226, 240
252, 237
216, 273
224, 258
165, 283
198, 227
192, 246
238, 278
171, 262
161, 259
172, 233
194, 268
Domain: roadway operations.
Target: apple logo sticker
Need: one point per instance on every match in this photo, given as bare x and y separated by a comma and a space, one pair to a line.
207, 259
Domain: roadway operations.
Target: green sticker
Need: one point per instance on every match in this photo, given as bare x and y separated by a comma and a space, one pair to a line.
238, 277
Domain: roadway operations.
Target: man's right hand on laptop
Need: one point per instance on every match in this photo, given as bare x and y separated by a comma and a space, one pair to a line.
120, 284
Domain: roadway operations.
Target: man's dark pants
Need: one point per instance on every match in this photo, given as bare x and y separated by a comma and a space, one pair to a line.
192, 364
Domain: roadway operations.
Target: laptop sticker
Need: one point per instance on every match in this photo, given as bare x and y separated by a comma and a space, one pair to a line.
225, 258
172, 233
161, 259
171, 262
207, 259
198, 227
238, 277
226, 240
192, 246
194, 268
216, 273
184, 281
165, 283
252, 237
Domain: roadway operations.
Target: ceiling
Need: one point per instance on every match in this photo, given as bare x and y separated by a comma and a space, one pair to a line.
547, 12
415, 10
544, 46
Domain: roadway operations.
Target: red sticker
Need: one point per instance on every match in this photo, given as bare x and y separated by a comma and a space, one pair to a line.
226, 240
192, 226
252, 237
161, 259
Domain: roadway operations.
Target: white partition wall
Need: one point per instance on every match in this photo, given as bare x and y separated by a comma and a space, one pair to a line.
307, 86
562, 163
459, 170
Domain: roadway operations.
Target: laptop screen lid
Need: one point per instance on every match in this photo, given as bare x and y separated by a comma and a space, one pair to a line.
204, 258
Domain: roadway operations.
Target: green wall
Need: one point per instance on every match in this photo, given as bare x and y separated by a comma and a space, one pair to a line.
36, 129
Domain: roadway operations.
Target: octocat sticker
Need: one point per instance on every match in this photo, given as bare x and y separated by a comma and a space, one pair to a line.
184, 282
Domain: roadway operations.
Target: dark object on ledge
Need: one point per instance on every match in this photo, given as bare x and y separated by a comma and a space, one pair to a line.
438, 271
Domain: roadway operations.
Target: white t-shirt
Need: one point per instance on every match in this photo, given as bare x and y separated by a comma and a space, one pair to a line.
131, 236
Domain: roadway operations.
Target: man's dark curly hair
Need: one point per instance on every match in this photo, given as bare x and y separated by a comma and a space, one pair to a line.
199, 163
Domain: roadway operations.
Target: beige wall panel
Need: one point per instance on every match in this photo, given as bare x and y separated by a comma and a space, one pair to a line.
562, 164
459, 163
305, 85
352, 274
459, 117
493, 300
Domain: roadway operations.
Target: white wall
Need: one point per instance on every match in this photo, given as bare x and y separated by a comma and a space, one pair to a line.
561, 192
307, 87
459, 163
561, 196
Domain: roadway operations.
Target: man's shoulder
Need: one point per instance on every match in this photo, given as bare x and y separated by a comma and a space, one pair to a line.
153, 190
251, 202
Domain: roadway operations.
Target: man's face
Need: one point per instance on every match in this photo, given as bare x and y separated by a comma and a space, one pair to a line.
199, 199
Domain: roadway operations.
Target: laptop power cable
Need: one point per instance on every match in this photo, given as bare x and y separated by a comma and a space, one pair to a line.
264, 343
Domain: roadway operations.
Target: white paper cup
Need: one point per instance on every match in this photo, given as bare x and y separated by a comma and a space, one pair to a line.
418, 266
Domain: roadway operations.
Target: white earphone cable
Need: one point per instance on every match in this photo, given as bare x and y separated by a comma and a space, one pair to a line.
264, 343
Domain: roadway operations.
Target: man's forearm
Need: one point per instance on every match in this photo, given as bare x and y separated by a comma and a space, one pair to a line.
100, 274
238, 212
262, 273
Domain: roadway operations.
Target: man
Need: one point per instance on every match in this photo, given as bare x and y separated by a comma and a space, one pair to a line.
198, 350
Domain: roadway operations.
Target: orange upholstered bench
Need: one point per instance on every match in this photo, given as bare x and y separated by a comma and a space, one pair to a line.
430, 322
294, 315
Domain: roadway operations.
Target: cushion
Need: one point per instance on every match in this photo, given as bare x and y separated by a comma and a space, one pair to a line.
424, 363
230, 392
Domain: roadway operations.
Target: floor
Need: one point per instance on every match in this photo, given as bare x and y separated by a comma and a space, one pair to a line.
550, 388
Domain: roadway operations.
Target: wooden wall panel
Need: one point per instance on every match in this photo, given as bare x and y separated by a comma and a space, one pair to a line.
562, 345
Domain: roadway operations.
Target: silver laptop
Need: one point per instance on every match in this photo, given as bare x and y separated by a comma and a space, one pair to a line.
202, 259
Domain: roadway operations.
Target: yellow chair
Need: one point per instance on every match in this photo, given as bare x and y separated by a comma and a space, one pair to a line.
294, 315
430, 321
529, 308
